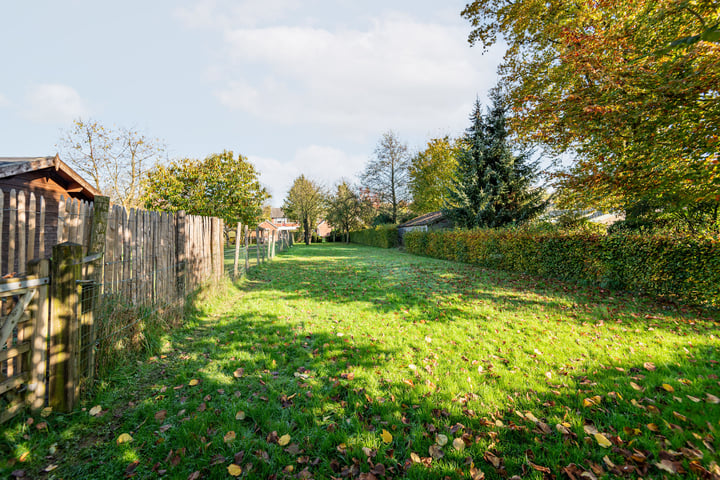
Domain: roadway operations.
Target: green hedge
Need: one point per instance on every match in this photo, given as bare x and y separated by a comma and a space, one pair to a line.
383, 236
676, 267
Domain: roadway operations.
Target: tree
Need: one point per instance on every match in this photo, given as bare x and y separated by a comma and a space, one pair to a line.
346, 209
305, 203
492, 185
431, 173
594, 79
386, 176
219, 186
114, 159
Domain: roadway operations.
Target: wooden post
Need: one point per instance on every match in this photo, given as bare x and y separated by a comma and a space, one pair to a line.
272, 243
238, 231
95, 274
247, 250
39, 339
257, 244
64, 385
180, 254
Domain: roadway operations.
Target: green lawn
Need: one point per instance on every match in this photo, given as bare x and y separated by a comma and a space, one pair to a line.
354, 362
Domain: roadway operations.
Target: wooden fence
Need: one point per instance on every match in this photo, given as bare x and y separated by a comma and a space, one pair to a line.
267, 244
109, 269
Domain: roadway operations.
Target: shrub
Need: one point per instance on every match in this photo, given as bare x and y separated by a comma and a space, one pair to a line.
678, 266
383, 236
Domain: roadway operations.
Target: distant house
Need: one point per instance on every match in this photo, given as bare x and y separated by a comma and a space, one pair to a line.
428, 221
324, 228
47, 177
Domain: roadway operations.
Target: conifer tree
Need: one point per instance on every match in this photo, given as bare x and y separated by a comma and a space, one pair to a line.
493, 186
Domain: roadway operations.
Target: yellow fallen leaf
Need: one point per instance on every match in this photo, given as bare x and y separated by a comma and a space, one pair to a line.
415, 457
668, 388
284, 440
386, 436
229, 437
458, 444
193, 382
693, 399
636, 386
602, 440
124, 438
240, 415
234, 470
45, 412
441, 439
712, 399
95, 411
652, 427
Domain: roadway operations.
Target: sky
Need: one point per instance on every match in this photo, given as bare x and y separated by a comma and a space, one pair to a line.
296, 86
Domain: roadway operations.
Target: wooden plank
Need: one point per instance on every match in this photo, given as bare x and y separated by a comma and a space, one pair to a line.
13, 382
15, 351
31, 226
41, 227
135, 225
2, 217
40, 311
72, 220
180, 254
13, 319
61, 227
11, 232
22, 233
11, 411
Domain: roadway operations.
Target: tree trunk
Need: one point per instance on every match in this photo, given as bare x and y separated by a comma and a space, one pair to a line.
306, 228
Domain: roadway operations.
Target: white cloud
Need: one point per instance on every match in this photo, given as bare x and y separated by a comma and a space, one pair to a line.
4, 102
398, 73
55, 103
323, 164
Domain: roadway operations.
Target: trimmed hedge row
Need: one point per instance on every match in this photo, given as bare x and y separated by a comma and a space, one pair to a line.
383, 236
672, 266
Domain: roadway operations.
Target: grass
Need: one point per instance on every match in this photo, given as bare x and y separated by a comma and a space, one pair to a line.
346, 361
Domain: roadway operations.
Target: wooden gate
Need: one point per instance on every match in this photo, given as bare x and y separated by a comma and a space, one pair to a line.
24, 311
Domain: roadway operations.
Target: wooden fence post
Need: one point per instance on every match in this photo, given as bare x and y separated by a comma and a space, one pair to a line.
180, 254
238, 231
272, 242
247, 248
95, 274
66, 269
257, 244
39, 340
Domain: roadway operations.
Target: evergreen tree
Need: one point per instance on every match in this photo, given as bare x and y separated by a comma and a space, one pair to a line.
493, 185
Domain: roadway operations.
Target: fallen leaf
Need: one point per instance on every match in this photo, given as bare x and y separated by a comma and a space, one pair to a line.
194, 476
602, 440
194, 382
240, 415
649, 366
229, 437
124, 438
284, 440
441, 439
234, 470
160, 415
239, 372
95, 411
667, 465
712, 399
668, 388
386, 436
458, 444
436, 452
45, 412
636, 386
415, 457
652, 427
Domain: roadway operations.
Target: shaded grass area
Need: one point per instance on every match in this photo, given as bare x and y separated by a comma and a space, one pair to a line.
346, 361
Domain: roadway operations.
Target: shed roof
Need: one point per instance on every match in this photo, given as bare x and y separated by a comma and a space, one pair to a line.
11, 166
427, 219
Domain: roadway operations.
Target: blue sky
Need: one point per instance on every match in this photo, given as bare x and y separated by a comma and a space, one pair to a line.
296, 86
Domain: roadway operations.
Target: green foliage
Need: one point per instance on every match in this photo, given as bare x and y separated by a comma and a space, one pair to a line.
431, 174
346, 209
677, 267
219, 186
593, 79
306, 202
383, 236
492, 186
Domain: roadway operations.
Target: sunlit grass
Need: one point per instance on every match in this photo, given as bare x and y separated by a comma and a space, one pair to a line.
332, 344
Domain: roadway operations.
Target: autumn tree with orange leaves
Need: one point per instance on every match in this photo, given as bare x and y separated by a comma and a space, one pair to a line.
630, 88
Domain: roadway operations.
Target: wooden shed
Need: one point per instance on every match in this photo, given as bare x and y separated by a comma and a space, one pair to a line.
428, 221
32, 190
